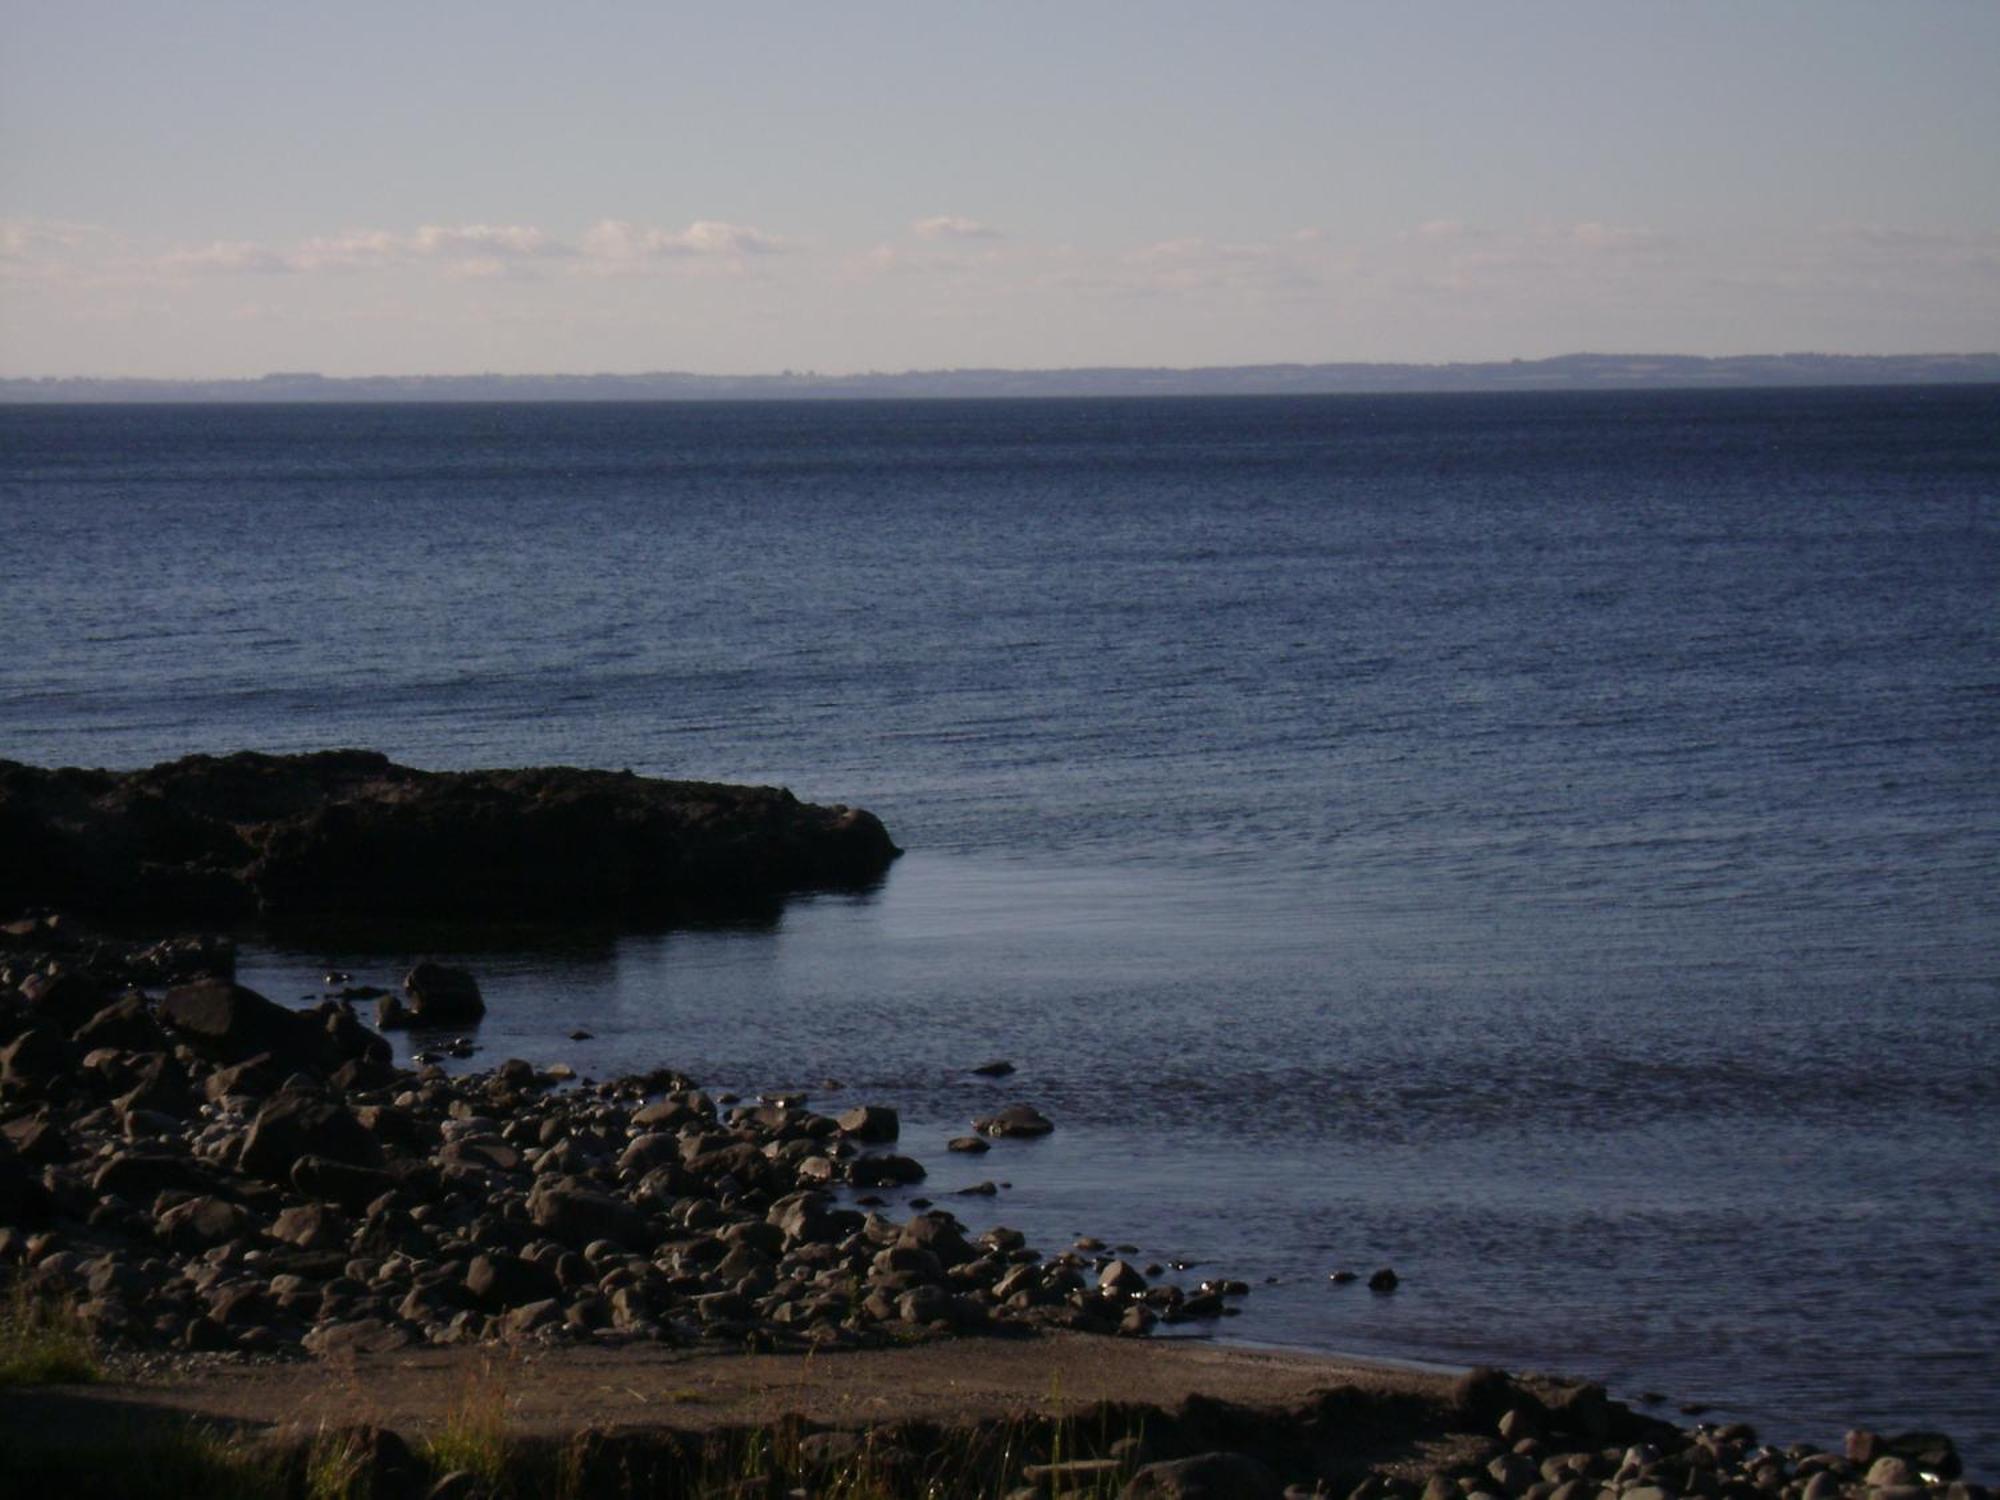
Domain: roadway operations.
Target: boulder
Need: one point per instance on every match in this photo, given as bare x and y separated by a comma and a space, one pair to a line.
938, 1233
311, 1226
23, 1198
161, 1087
141, 1176
1207, 1476
872, 1123
204, 1222
341, 1183
1015, 1120
35, 1062
230, 1023
884, 1171
293, 1124
498, 1280
440, 995
65, 999
126, 1023
572, 1210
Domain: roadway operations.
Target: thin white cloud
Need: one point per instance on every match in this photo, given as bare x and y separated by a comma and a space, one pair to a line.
617, 240
30, 239
954, 227
486, 241
228, 257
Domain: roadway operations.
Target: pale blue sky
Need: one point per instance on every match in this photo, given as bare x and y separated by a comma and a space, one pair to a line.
215, 188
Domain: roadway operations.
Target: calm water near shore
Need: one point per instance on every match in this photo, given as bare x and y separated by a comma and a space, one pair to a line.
1547, 844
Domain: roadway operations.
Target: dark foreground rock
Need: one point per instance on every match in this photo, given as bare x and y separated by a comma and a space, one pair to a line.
348, 833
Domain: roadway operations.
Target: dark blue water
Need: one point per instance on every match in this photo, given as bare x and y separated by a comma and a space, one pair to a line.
1547, 844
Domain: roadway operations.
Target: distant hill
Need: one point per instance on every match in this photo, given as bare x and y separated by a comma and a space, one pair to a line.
1565, 372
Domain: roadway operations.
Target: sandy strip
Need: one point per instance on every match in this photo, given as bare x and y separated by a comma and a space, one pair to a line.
559, 1391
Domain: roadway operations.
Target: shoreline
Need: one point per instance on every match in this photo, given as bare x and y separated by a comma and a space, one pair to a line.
277, 1225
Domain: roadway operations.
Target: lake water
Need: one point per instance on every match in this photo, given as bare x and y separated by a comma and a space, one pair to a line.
1546, 844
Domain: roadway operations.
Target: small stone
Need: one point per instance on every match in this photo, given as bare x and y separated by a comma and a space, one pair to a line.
998, 1068
1384, 1280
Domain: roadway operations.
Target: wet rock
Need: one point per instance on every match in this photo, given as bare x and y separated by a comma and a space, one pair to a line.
1022, 1120
870, 1123
884, 1171
1121, 1278
998, 1068
1926, 1452
440, 995
969, 1143
1384, 1280
1890, 1471
938, 1234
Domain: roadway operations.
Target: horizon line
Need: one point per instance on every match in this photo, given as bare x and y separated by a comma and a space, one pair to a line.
944, 371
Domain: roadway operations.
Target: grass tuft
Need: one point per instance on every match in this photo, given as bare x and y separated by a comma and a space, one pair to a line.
474, 1437
42, 1343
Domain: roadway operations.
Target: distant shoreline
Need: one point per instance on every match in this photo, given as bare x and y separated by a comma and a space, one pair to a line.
1568, 372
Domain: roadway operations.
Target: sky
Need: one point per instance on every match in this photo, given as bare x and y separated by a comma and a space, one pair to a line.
211, 188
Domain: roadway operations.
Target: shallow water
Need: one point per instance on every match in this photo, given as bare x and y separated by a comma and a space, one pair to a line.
1544, 844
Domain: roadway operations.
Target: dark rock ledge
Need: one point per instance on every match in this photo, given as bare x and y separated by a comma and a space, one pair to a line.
348, 833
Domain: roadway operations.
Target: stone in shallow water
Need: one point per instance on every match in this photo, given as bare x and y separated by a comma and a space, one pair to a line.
1015, 1120
443, 996
871, 1122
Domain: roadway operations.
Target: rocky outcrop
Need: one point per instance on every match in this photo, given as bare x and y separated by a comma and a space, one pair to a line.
348, 833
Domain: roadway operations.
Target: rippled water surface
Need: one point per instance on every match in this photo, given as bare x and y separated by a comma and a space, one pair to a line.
1544, 844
